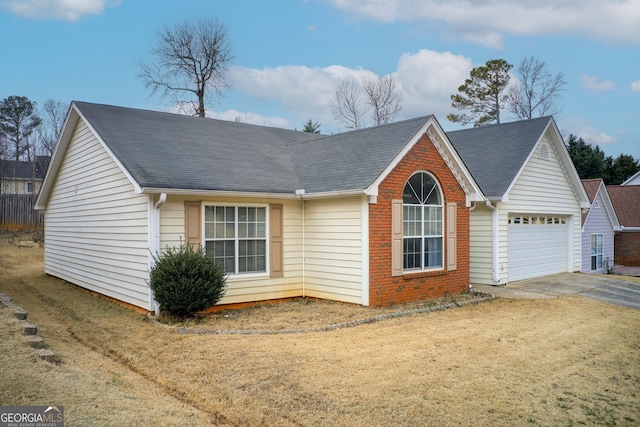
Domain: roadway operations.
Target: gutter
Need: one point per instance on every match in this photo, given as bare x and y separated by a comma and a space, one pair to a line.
629, 229
300, 195
155, 242
494, 240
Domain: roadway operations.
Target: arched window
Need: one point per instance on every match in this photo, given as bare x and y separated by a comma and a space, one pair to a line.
422, 224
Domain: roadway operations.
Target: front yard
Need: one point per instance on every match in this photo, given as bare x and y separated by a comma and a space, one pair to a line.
563, 361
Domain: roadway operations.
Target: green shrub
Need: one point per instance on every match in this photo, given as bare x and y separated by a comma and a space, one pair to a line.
185, 280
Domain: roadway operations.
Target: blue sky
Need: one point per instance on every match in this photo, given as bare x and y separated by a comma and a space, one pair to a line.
289, 55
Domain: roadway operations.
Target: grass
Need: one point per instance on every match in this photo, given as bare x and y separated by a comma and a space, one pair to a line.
561, 361
305, 314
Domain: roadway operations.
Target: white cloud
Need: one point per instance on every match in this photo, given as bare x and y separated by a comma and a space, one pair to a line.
426, 80
303, 91
250, 118
486, 22
69, 10
587, 131
635, 86
595, 84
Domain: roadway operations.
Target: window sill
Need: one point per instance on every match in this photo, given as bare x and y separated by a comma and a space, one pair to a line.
409, 275
247, 276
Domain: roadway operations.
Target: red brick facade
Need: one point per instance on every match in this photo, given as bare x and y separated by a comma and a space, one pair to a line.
627, 249
385, 289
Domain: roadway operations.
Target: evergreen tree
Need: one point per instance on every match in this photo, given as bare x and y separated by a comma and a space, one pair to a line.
18, 120
311, 127
482, 94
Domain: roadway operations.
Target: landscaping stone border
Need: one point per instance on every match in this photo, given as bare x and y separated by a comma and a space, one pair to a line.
332, 327
29, 330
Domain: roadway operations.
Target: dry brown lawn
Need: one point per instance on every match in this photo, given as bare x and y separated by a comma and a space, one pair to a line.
562, 361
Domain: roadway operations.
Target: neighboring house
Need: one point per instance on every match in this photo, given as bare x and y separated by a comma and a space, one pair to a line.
529, 225
599, 225
633, 179
22, 177
374, 217
626, 202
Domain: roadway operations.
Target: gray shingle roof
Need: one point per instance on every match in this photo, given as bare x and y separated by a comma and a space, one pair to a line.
18, 169
351, 160
171, 151
495, 153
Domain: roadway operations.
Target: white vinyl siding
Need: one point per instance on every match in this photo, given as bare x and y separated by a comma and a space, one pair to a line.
246, 288
96, 227
480, 246
543, 187
598, 222
334, 242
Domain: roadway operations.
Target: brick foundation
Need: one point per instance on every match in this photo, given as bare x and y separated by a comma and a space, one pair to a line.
385, 289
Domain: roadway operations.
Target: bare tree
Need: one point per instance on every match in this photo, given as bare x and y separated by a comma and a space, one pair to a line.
536, 92
352, 97
347, 107
383, 97
189, 60
54, 113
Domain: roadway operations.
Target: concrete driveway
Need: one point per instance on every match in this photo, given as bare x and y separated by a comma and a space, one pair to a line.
618, 290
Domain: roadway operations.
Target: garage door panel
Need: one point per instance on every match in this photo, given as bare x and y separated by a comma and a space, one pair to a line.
537, 250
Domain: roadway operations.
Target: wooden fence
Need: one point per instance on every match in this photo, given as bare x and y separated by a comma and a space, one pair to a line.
17, 210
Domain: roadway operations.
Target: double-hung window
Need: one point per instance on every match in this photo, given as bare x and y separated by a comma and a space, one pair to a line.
237, 237
596, 251
422, 223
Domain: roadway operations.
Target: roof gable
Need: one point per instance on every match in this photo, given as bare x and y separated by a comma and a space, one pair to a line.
595, 189
633, 179
497, 154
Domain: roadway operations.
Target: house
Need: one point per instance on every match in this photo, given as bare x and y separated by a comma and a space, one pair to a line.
599, 225
633, 179
22, 177
529, 224
374, 217
626, 202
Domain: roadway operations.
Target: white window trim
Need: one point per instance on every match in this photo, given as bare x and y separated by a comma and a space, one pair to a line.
242, 276
601, 254
424, 269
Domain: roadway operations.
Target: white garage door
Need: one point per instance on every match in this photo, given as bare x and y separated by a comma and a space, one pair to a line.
538, 245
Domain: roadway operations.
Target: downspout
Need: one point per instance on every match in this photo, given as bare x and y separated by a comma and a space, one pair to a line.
156, 240
494, 240
300, 194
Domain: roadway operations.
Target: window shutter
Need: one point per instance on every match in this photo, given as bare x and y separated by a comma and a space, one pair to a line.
396, 238
452, 246
193, 224
276, 242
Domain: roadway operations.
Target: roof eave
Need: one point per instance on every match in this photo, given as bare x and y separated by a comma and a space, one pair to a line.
217, 193
68, 127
